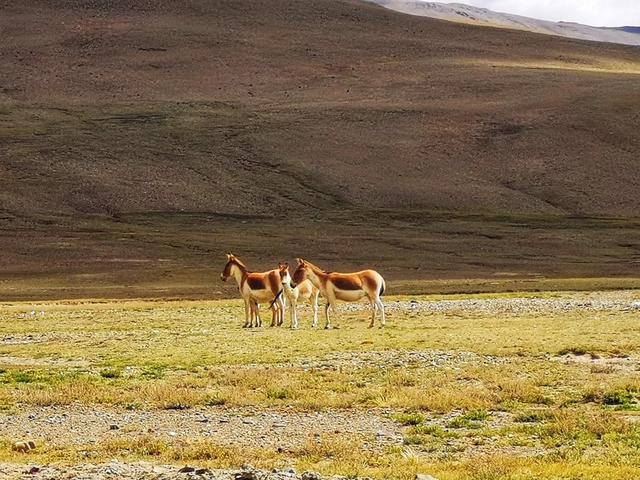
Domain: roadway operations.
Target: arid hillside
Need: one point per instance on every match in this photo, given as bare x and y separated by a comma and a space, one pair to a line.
200, 119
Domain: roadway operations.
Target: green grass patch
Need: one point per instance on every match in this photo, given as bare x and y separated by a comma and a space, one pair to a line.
471, 420
111, 373
408, 418
530, 417
279, 394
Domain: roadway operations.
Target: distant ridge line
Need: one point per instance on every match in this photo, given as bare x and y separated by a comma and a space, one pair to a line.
462, 13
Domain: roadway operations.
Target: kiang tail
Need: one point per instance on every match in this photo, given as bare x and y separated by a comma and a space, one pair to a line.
276, 299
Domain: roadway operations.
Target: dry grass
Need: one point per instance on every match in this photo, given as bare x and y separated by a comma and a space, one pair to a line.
176, 355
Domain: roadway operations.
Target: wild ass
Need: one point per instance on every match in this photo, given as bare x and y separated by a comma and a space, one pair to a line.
348, 287
304, 291
255, 288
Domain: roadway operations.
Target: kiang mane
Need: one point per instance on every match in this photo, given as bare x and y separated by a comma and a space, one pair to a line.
315, 268
240, 264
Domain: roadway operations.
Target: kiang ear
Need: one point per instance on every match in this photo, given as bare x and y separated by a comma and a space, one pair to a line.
300, 261
229, 256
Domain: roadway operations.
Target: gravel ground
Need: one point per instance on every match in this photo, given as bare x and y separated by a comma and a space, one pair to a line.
146, 471
602, 301
226, 426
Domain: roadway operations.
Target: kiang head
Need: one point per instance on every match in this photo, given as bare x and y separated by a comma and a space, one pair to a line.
283, 271
226, 272
302, 271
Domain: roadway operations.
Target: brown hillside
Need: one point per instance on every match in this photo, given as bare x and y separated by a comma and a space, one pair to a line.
300, 110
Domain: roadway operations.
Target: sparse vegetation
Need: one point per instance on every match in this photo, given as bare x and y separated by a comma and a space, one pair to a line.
453, 385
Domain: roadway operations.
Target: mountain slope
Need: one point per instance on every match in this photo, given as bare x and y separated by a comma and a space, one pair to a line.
458, 12
139, 139
635, 30
112, 109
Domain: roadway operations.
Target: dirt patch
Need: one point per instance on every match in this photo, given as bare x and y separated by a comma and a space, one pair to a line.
42, 362
600, 364
225, 426
23, 339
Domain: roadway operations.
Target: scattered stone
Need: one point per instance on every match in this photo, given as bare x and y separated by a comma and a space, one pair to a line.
309, 475
421, 476
203, 471
246, 475
187, 470
32, 471
113, 426
110, 470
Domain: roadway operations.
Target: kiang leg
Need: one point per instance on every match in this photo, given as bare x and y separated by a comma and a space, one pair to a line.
294, 313
374, 307
256, 310
314, 307
248, 313
380, 306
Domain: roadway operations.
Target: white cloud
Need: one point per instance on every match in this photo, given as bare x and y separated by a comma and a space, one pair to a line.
590, 12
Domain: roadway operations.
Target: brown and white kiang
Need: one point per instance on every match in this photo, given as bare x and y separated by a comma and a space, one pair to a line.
347, 287
256, 288
303, 291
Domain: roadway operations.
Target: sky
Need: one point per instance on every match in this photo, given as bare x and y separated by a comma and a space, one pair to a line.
600, 13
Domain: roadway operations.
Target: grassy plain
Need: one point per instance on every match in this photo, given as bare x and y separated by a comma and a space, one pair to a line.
502, 393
